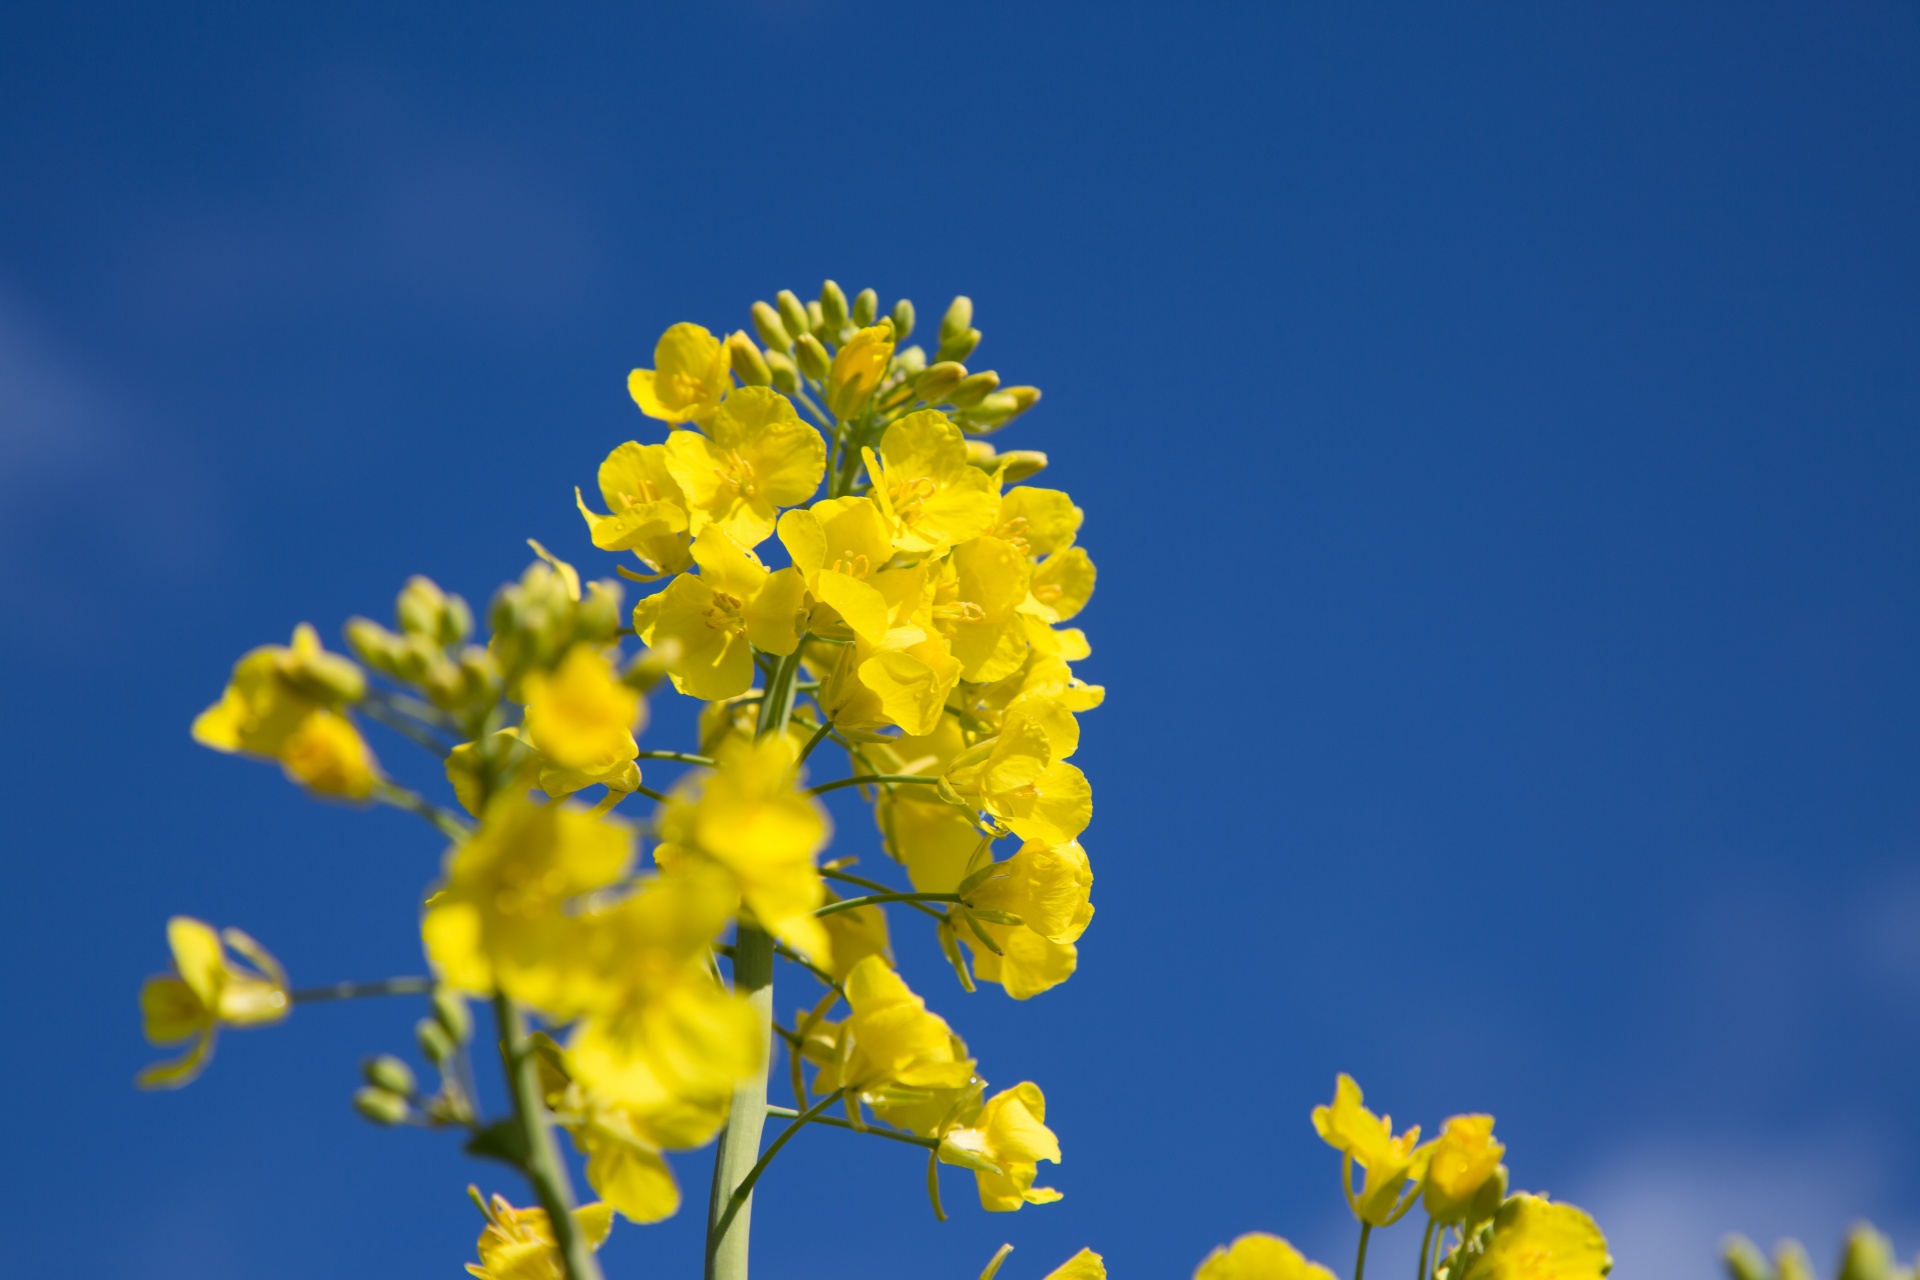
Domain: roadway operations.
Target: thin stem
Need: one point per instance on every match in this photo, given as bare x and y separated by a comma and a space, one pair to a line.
874, 899
819, 736
651, 794
1426, 1243
1360, 1261
684, 757
361, 990
864, 779
418, 734
835, 1122
877, 887
453, 828
544, 1167
745, 1189
729, 1227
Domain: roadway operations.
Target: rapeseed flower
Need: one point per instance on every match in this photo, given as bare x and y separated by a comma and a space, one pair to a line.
1003, 1145
518, 1244
206, 991
1047, 887
892, 1054
712, 621
932, 496
646, 511
756, 457
1537, 1239
691, 373
1464, 1159
284, 703
1368, 1141
580, 717
1259, 1256
858, 369
1015, 778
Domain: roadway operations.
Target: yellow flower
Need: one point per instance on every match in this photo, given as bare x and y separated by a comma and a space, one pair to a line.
1047, 886
903, 680
932, 496
714, 619
518, 1244
1003, 1146
840, 546
1061, 586
1015, 778
624, 1164
647, 511
690, 375
1536, 1239
282, 703
891, 1054
1368, 1141
501, 920
205, 991
1259, 1256
581, 718
747, 816
1084, 1265
756, 457
858, 367
1463, 1159
976, 601
1042, 521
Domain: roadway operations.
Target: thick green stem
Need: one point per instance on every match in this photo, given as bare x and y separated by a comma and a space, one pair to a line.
727, 1233
544, 1166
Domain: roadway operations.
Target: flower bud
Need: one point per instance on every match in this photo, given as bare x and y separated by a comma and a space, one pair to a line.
434, 1041
374, 645
958, 347
389, 1073
653, 665
902, 320
1022, 464
451, 1012
817, 321
938, 380
972, 389
911, 361
379, 1106
786, 376
1024, 398
1868, 1256
982, 455
748, 365
1790, 1261
1744, 1259
419, 605
811, 356
793, 313
598, 616
766, 322
958, 320
833, 305
865, 307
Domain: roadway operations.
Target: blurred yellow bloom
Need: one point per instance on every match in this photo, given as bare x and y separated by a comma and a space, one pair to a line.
1259, 1256
714, 619
647, 512
1015, 778
1048, 887
1003, 1146
893, 1055
756, 457
501, 921
1084, 1265
690, 375
1368, 1141
857, 369
1461, 1161
518, 1244
205, 991
580, 717
282, 703
747, 815
932, 496
1536, 1239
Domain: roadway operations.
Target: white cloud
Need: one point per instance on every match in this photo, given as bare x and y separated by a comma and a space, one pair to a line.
1665, 1205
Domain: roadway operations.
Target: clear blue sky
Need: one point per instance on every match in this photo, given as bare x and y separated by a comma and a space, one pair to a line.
1497, 428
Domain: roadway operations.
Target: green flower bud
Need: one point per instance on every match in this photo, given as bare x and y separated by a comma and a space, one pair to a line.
938, 380
786, 375
902, 320
958, 320
811, 356
434, 1041
766, 322
748, 365
598, 616
909, 360
419, 606
1790, 1261
451, 1012
379, 1106
833, 305
374, 645
1868, 1256
990, 414
391, 1074
1744, 1259
816, 320
793, 313
972, 389
959, 346
866, 306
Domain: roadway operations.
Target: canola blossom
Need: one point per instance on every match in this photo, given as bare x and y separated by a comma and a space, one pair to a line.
867, 597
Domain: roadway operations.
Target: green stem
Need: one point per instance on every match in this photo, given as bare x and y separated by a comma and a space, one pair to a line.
819, 736
878, 887
1360, 1262
1426, 1244
874, 899
544, 1167
864, 779
745, 1189
835, 1122
684, 757
444, 822
361, 990
728, 1225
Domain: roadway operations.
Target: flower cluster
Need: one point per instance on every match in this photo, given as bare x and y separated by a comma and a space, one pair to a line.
1475, 1229
839, 566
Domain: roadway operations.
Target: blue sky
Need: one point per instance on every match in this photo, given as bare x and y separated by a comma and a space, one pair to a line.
1497, 429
